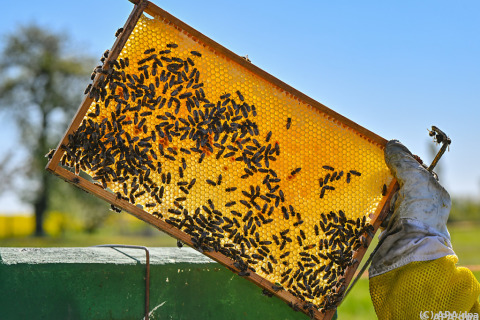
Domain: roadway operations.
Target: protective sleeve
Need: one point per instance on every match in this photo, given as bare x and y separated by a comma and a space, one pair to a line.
418, 230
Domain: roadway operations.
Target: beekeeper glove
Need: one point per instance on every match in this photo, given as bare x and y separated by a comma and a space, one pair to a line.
414, 268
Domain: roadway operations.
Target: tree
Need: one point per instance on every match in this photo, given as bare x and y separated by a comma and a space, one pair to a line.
41, 83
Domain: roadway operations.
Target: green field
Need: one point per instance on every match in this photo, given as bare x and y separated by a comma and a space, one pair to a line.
132, 231
465, 241
86, 240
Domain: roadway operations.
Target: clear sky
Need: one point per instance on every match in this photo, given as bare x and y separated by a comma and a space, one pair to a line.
394, 67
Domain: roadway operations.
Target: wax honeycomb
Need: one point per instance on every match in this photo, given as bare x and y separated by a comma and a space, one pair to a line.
240, 165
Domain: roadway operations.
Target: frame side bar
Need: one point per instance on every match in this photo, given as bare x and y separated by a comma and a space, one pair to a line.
83, 108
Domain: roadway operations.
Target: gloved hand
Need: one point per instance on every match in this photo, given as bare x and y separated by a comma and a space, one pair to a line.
414, 268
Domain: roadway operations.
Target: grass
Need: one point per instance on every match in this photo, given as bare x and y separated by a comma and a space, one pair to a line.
83, 240
464, 238
465, 242
358, 304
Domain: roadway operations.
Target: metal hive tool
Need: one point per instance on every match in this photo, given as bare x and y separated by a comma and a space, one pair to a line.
197, 141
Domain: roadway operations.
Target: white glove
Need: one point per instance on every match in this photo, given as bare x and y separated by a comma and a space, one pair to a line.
418, 230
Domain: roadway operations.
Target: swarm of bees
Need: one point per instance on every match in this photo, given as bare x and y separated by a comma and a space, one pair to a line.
150, 127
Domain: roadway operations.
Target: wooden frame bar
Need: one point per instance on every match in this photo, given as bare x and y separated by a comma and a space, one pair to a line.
114, 52
150, 8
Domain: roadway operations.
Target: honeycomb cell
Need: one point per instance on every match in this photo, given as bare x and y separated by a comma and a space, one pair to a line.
236, 163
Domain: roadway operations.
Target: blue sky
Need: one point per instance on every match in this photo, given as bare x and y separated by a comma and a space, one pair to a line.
394, 67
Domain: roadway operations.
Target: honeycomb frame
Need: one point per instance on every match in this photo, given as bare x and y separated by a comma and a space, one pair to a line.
292, 113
